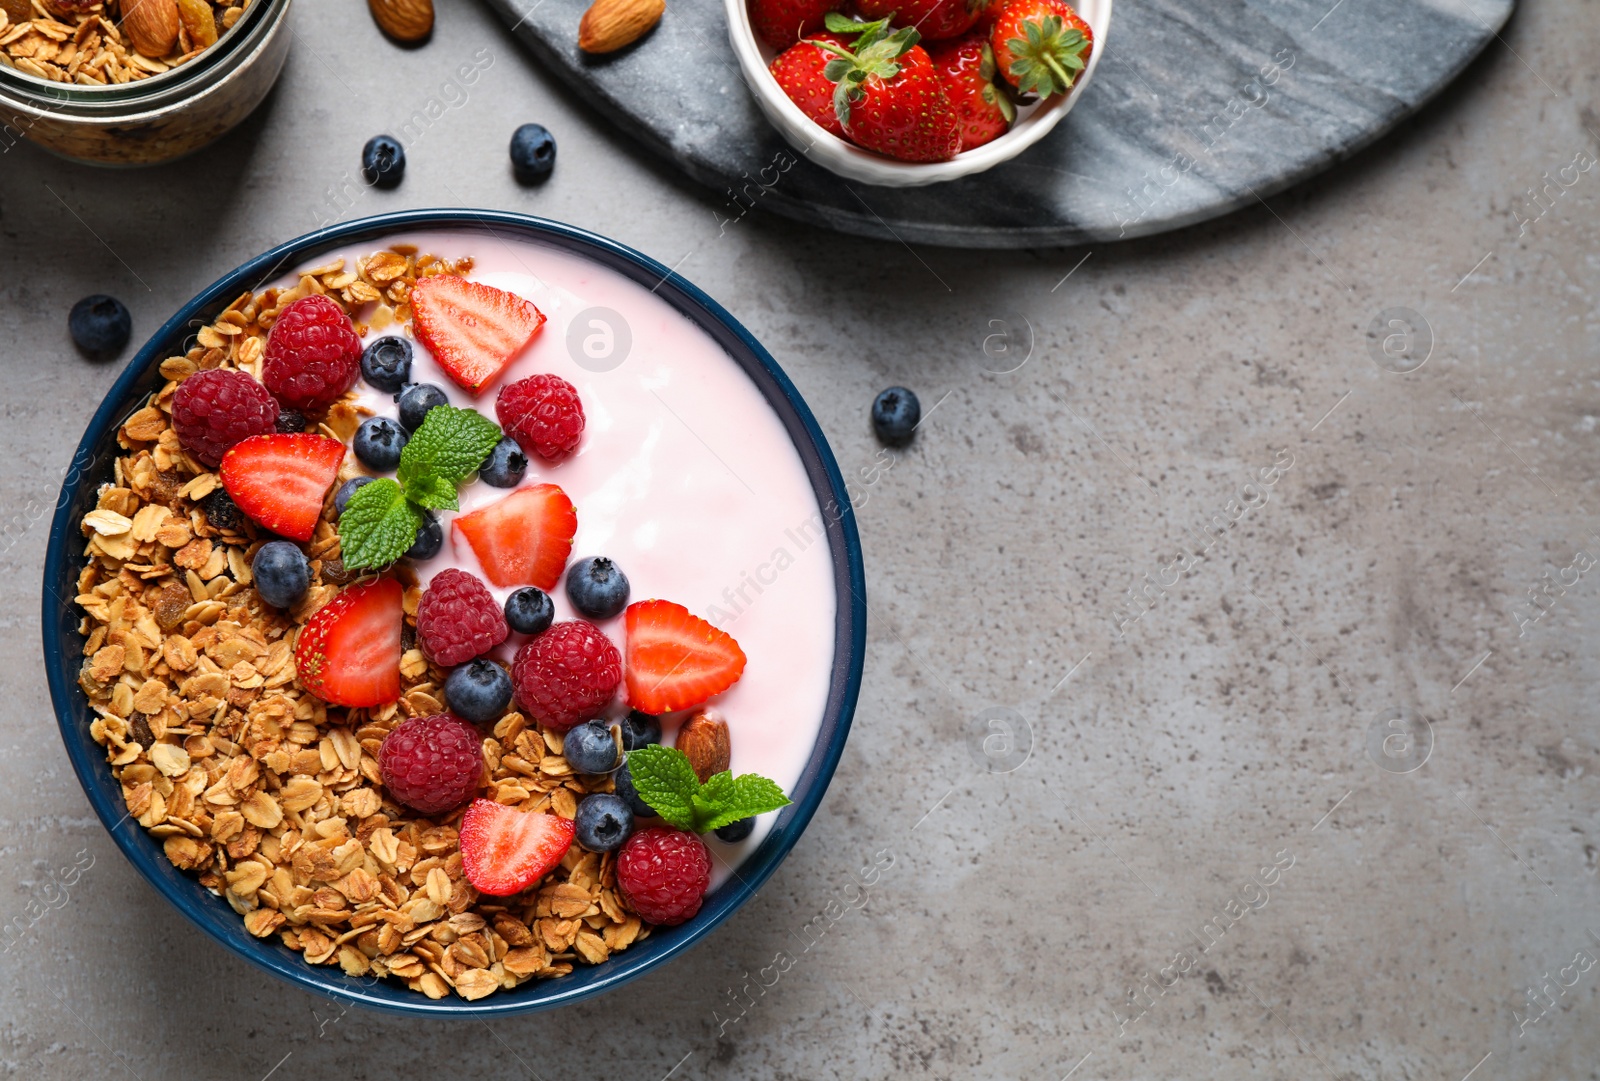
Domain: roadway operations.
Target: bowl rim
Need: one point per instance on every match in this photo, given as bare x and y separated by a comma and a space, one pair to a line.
60, 619
853, 162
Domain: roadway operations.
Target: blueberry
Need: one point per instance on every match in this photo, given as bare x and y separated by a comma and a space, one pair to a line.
529, 610
895, 416
623, 781
383, 161
100, 326
734, 832
590, 748
415, 400
386, 363
639, 730
222, 512
281, 573
505, 465
603, 822
342, 497
478, 691
290, 421
430, 538
597, 587
378, 444
533, 154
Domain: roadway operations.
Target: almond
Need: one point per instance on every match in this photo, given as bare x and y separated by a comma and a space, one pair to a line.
403, 20
151, 26
608, 25
704, 741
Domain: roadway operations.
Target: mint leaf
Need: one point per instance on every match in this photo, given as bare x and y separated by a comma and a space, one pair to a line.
378, 524
450, 444
665, 780
744, 796
433, 492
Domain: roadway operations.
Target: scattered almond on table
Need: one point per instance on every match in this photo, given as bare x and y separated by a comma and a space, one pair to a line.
610, 25
406, 21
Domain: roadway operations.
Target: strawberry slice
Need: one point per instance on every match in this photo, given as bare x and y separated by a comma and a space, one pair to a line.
504, 850
473, 330
348, 653
280, 481
675, 658
523, 539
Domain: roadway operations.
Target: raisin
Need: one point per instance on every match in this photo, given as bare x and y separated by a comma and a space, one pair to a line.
334, 573
141, 730
165, 488
408, 637
291, 421
171, 604
222, 512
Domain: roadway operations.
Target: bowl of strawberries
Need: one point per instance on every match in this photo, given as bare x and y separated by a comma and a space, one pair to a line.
903, 93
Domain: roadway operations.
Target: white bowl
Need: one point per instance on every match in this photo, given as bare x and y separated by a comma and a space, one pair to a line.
848, 160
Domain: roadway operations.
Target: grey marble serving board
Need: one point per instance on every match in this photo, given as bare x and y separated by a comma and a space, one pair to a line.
1187, 118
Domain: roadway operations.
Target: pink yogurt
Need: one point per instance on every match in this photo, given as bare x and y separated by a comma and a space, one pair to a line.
685, 477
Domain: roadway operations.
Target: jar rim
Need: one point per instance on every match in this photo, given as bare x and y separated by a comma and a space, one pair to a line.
230, 44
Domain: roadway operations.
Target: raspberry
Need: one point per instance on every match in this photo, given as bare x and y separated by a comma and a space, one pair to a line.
313, 354
664, 874
213, 410
543, 414
432, 764
566, 674
458, 619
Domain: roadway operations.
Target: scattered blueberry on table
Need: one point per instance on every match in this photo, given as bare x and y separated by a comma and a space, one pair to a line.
529, 610
281, 573
533, 154
100, 326
895, 416
386, 363
597, 587
479, 690
383, 161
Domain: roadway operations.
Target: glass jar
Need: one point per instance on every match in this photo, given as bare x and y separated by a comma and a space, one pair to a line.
157, 119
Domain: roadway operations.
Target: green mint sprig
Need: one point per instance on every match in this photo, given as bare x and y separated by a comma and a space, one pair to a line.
382, 518
665, 780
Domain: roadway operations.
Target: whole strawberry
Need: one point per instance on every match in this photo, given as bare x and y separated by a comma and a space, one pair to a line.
933, 19
799, 71
966, 66
781, 23
313, 354
888, 94
1040, 46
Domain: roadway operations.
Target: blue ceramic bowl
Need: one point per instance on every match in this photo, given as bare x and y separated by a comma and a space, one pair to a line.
63, 646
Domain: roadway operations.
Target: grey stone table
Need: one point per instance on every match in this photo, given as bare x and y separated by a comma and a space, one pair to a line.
1195, 110
1092, 413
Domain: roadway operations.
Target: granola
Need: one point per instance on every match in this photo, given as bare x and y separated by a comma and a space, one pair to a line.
67, 41
271, 797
